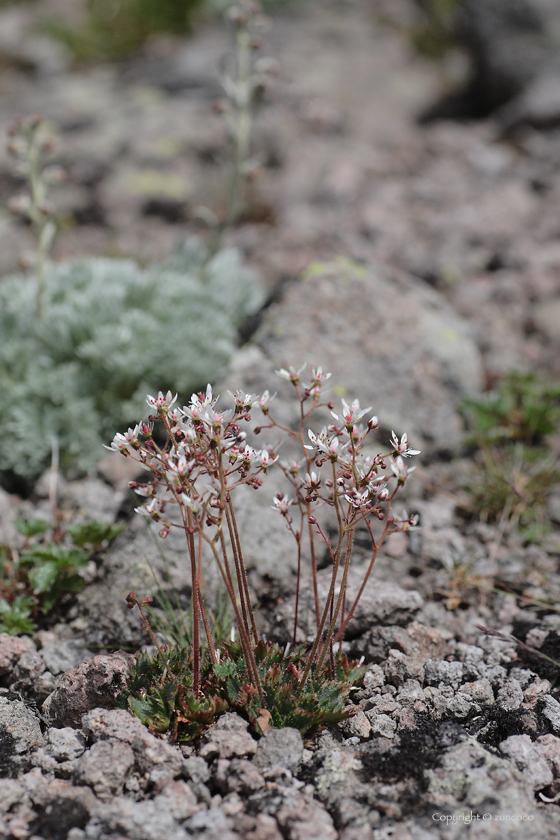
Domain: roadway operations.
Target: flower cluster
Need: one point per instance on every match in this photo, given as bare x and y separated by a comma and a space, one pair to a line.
207, 455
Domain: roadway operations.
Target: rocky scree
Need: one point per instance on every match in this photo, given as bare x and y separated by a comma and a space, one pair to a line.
450, 241
427, 731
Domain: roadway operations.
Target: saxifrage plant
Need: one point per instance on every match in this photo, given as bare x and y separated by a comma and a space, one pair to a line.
160, 691
192, 483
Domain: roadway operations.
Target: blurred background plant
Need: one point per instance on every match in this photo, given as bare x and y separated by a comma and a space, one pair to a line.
14, 2
242, 79
516, 466
110, 332
465, 581
523, 408
49, 564
431, 32
81, 342
114, 30
31, 140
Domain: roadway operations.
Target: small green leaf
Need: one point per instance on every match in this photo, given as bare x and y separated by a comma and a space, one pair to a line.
94, 534
61, 556
71, 583
15, 617
44, 576
76, 558
32, 527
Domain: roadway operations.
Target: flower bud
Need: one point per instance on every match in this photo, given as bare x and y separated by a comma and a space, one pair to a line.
20, 205
54, 174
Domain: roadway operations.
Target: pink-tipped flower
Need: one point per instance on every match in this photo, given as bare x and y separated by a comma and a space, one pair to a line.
126, 443
320, 375
179, 466
281, 503
400, 469
201, 401
154, 508
264, 401
312, 481
292, 375
193, 504
406, 522
292, 467
357, 499
267, 459
351, 415
402, 448
243, 402
322, 442
163, 402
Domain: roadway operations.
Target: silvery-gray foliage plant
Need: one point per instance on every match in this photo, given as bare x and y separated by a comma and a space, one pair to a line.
108, 332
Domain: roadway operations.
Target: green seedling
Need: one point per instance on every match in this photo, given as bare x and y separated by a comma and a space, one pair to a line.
52, 571
40, 572
93, 535
524, 408
514, 469
30, 528
15, 617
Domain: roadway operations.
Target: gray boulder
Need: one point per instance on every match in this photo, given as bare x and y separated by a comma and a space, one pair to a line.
152, 755
510, 41
394, 344
528, 759
12, 648
279, 749
20, 734
150, 820
515, 63
381, 603
95, 683
228, 738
